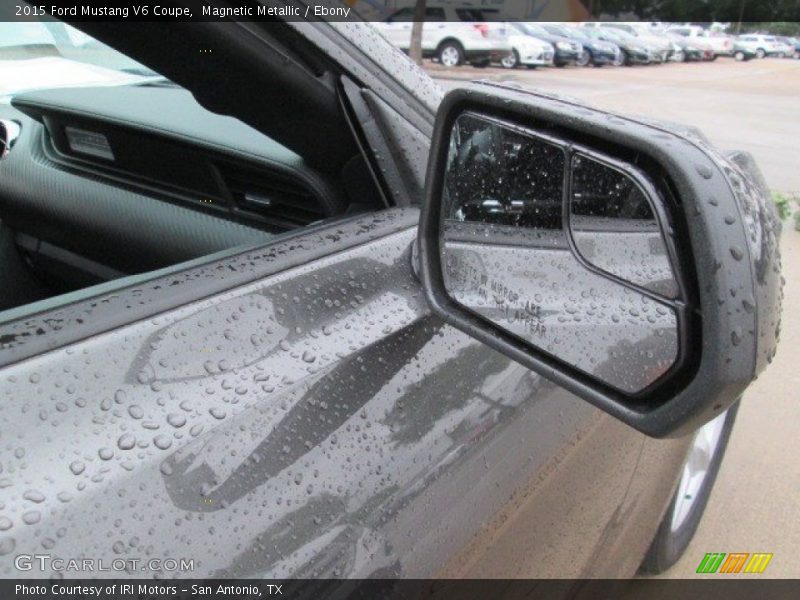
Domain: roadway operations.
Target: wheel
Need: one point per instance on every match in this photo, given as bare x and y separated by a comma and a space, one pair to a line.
713, 57
687, 506
620, 59
584, 58
761, 53
450, 54
680, 56
739, 55
626, 59
510, 61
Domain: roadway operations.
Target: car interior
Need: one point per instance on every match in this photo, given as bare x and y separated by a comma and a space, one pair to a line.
100, 183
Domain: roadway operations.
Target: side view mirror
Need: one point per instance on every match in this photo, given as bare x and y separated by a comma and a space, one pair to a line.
630, 264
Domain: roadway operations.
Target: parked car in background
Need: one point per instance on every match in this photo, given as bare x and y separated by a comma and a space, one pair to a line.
595, 52
660, 44
632, 49
567, 50
692, 48
451, 35
793, 43
762, 45
527, 50
787, 46
742, 52
796, 47
721, 44
677, 53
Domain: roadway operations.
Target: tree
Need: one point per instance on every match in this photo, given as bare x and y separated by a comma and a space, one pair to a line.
415, 50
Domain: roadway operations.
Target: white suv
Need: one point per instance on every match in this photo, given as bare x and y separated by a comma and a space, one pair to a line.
762, 45
451, 34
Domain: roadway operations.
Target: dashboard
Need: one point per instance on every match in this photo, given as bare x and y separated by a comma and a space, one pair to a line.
108, 181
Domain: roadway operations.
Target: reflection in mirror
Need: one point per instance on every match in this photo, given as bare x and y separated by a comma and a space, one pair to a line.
506, 258
497, 176
615, 228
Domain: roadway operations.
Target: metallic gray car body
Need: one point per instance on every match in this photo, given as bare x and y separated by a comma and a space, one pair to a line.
318, 421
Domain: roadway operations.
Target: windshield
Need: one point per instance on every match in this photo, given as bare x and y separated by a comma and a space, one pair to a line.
41, 54
528, 29
615, 34
561, 30
627, 31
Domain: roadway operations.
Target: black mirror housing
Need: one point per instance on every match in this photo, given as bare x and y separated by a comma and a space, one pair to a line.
720, 223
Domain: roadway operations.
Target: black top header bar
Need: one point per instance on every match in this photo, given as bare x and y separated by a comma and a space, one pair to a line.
402, 10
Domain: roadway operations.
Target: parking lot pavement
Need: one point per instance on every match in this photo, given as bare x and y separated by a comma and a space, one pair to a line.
752, 106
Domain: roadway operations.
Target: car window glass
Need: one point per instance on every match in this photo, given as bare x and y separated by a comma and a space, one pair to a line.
535, 30
176, 183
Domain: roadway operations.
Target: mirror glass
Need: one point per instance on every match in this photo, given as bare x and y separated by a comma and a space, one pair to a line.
615, 228
507, 257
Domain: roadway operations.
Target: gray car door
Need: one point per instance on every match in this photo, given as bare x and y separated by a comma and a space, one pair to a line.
316, 421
